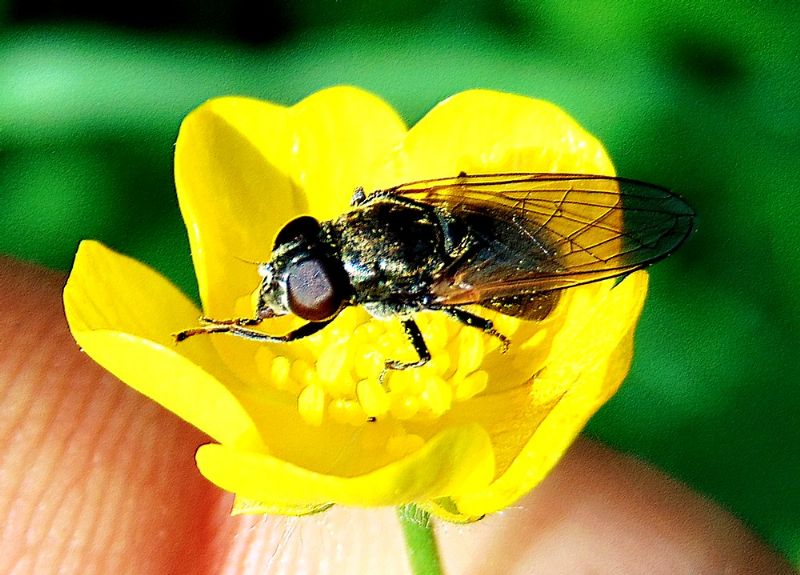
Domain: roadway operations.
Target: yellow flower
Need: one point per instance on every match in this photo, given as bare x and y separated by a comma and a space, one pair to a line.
465, 435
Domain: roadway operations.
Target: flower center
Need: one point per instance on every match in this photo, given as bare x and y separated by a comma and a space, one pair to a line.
335, 373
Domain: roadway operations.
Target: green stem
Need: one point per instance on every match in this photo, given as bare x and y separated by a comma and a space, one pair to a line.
423, 554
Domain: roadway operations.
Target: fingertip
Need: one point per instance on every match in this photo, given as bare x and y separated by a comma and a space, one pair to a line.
93, 474
601, 511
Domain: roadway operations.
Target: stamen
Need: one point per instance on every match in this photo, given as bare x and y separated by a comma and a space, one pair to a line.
368, 363
470, 350
331, 363
281, 367
311, 404
347, 412
437, 396
334, 374
403, 407
373, 398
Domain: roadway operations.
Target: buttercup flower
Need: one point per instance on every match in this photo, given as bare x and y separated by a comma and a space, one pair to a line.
465, 435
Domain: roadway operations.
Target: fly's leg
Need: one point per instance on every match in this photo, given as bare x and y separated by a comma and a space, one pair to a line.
415, 337
472, 320
239, 329
240, 321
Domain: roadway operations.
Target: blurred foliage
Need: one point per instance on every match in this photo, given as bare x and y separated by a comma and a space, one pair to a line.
699, 96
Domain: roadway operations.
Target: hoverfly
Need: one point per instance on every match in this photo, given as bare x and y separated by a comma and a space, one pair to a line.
508, 242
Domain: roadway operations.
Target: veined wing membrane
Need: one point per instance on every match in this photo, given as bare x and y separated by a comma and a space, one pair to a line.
530, 233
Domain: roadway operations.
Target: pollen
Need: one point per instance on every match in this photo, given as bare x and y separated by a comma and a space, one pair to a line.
311, 404
470, 350
338, 375
281, 367
373, 397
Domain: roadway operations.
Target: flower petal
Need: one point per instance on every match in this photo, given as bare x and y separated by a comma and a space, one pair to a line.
341, 134
123, 313
585, 369
456, 461
243, 168
481, 131
232, 198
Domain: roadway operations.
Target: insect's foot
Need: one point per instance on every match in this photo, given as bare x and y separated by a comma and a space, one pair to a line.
394, 365
186, 334
504, 341
382, 377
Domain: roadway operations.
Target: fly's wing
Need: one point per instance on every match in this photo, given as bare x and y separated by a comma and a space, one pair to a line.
532, 233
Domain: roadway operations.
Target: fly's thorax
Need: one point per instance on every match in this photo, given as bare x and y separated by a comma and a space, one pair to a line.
390, 249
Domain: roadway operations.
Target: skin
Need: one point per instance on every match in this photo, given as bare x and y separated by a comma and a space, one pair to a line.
95, 478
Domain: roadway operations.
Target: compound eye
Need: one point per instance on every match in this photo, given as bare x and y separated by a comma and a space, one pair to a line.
314, 291
301, 227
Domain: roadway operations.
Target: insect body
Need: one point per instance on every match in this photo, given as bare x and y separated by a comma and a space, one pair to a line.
507, 242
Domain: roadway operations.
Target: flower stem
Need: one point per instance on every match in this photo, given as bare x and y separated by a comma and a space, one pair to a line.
423, 554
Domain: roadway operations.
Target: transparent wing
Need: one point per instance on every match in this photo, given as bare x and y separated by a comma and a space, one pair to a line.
529, 233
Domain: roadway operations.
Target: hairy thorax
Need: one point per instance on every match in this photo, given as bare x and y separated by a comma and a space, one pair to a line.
389, 251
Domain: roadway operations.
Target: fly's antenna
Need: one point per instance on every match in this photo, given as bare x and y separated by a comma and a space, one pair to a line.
251, 262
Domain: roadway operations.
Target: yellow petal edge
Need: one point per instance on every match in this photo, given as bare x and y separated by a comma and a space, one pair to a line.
122, 314
456, 461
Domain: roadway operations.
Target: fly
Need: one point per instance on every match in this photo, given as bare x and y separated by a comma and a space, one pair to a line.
507, 242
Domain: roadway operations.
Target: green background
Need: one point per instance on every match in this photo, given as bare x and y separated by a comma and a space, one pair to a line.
698, 96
